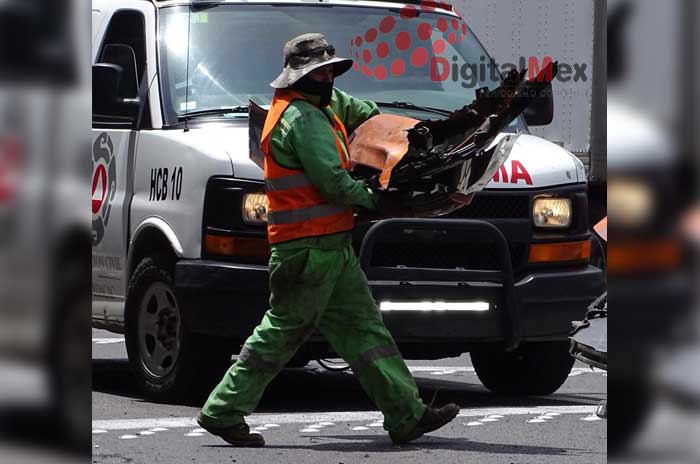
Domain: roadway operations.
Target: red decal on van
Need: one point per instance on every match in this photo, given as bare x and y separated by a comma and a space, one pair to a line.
501, 173
519, 172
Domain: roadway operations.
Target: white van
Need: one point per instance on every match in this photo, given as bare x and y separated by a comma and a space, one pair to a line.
179, 247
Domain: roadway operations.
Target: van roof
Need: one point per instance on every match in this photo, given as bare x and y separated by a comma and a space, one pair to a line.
432, 3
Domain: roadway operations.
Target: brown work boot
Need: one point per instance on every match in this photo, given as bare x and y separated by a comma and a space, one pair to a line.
238, 435
433, 419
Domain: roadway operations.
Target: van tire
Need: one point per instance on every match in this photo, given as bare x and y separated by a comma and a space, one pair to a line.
533, 369
169, 362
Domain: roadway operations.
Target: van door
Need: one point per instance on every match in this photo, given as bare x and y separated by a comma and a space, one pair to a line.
120, 109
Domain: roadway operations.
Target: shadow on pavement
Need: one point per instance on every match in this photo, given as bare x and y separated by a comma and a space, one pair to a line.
312, 389
374, 444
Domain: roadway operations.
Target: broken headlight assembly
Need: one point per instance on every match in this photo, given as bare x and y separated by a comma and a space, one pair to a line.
254, 209
552, 213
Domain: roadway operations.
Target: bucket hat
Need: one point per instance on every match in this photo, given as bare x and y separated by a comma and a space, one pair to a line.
305, 53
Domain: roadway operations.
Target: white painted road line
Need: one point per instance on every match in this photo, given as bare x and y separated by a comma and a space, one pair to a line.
443, 370
315, 418
107, 341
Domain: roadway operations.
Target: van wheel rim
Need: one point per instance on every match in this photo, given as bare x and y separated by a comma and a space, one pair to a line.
159, 330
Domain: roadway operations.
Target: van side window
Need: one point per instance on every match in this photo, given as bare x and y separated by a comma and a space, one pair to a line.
118, 74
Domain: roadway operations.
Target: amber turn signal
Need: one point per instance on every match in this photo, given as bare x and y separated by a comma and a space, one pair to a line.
243, 247
559, 252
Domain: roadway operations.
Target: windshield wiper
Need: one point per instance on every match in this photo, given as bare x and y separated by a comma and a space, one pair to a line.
410, 106
214, 112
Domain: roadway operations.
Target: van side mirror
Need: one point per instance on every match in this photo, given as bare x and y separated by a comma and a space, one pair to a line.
106, 79
541, 110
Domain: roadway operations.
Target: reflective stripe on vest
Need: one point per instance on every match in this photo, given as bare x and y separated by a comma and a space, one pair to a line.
298, 215
296, 208
286, 183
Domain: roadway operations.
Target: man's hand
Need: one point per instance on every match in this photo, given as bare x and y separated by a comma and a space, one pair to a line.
389, 205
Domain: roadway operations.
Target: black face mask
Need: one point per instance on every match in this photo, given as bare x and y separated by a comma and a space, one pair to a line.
320, 89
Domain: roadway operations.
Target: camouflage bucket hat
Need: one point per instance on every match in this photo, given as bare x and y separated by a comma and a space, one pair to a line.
306, 53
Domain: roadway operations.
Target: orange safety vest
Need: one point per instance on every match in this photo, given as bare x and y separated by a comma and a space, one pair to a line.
296, 209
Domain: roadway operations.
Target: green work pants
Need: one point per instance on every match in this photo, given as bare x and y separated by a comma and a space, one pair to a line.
325, 289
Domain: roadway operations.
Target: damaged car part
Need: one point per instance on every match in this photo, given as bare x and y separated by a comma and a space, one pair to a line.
436, 164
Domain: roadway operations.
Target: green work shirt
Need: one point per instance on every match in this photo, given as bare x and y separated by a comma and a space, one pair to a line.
303, 139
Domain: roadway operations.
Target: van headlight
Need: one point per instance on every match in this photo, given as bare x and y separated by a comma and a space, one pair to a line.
552, 213
255, 209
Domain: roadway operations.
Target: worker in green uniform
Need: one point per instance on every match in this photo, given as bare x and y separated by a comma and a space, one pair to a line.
315, 278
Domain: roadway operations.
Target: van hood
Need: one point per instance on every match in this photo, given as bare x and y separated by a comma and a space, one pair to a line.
234, 140
535, 163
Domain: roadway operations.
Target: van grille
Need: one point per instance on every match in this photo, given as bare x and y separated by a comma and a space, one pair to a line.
431, 255
485, 206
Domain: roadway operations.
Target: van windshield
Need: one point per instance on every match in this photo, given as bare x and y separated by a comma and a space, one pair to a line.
235, 51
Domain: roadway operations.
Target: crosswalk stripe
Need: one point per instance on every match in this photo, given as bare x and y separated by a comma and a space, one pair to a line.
575, 370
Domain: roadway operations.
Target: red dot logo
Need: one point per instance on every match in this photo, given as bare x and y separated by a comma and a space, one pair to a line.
419, 57
398, 67
370, 35
383, 50
416, 45
387, 25
408, 12
403, 40
439, 47
424, 31
428, 5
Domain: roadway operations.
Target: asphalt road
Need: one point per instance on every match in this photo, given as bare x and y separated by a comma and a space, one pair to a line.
311, 415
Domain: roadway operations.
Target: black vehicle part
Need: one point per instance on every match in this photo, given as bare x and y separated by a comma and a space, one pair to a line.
473, 230
533, 369
436, 146
433, 147
169, 362
589, 339
333, 366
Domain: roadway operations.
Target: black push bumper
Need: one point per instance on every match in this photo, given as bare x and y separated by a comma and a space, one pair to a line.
229, 299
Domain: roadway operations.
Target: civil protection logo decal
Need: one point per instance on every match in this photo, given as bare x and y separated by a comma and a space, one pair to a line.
104, 185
